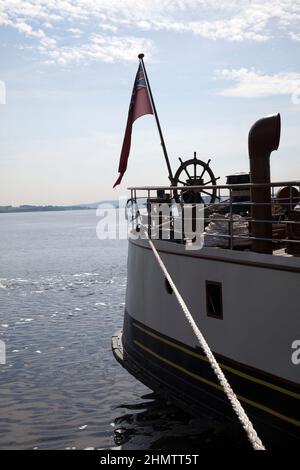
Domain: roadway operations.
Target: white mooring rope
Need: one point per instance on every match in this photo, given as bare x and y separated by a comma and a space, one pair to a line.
236, 405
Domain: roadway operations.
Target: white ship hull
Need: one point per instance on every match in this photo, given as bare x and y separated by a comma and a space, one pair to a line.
252, 338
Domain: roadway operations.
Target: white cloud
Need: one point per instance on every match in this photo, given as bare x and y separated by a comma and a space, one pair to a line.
251, 83
234, 20
235, 29
295, 36
28, 31
108, 49
75, 30
108, 27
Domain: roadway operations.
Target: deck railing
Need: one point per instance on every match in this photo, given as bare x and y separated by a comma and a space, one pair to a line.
232, 208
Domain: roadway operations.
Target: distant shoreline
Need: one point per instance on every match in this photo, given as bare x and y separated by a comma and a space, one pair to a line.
13, 210
32, 208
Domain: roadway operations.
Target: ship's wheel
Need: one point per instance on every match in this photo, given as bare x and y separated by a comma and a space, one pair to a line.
191, 173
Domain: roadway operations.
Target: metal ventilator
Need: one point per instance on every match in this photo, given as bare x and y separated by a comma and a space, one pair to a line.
235, 403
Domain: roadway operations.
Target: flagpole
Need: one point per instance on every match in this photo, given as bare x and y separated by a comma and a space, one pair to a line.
162, 141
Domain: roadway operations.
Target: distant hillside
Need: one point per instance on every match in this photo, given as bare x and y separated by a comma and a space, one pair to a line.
50, 208
108, 202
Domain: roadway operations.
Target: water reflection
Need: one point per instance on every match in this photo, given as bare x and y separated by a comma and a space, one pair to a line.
154, 424
62, 297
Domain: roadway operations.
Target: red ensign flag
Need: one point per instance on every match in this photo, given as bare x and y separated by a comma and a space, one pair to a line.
139, 106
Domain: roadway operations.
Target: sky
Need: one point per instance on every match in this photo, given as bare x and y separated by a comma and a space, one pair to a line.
66, 76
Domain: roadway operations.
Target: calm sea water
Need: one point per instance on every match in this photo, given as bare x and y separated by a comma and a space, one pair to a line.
62, 297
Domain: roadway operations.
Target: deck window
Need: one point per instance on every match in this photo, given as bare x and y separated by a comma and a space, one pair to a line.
214, 304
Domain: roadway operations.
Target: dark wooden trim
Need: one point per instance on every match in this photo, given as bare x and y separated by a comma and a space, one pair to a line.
253, 264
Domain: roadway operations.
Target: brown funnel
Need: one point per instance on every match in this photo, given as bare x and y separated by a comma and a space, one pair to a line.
264, 137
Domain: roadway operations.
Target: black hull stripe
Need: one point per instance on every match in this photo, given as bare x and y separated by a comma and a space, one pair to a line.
254, 388
223, 366
212, 384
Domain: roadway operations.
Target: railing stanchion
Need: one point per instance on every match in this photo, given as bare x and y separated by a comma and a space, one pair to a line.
182, 221
231, 221
133, 210
149, 214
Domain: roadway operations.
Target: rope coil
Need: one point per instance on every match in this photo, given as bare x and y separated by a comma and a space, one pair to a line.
235, 403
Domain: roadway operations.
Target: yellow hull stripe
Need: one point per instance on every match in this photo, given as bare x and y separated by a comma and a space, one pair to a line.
223, 366
212, 384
